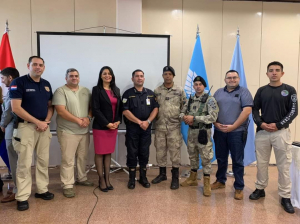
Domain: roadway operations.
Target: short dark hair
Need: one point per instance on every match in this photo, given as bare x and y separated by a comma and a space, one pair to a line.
232, 71
9, 71
275, 63
137, 70
32, 57
71, 70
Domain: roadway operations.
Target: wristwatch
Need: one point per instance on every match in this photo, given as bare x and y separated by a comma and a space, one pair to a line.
90, 118
149, 121
194, 119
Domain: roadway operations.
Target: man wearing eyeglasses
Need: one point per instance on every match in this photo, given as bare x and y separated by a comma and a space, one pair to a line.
71, 103
230, 132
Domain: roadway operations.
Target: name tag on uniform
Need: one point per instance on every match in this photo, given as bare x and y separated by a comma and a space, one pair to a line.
148, 101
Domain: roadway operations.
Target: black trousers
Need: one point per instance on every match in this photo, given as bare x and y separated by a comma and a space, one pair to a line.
137, 142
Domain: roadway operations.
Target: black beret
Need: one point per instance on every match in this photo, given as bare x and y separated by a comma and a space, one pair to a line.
199, 78
170, 69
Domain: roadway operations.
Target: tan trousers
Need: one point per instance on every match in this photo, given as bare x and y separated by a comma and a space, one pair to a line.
195, 148
73, 146
25, 139
168, 141
281, 143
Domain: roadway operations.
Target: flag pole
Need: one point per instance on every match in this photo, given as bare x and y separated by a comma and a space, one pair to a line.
6, 26
197, 32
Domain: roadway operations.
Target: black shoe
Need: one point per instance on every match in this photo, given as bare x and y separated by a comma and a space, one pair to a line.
102, 189
143, 179
45, 196
110, 187
257, 194
287, 205
175, 178
22, 205
161, 177
131, 182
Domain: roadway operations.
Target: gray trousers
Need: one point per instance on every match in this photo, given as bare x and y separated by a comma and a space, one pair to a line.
13, 159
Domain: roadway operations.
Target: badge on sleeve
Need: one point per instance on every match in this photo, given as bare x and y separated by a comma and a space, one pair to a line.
47, 88
148, 102
124, 100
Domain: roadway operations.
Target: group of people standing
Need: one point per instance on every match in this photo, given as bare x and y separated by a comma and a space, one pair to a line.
31, 101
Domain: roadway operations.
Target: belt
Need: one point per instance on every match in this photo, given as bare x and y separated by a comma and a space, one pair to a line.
22, 121
194, 127
206, 126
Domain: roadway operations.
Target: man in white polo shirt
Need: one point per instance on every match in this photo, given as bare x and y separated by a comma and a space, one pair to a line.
72, 103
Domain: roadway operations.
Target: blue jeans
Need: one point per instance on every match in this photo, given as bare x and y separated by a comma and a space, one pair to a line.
230, 142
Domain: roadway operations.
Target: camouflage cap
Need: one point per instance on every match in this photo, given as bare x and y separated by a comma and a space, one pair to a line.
199, 78
170, 69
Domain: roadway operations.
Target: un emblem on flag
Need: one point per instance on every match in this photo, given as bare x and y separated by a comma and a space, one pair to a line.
188, 88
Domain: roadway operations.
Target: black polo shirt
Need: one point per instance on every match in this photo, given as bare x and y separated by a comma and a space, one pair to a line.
140, 104
34, 95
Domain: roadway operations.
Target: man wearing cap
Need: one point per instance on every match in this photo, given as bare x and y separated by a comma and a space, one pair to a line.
171, 99
199, 112
139, 110
230, 132
31, 101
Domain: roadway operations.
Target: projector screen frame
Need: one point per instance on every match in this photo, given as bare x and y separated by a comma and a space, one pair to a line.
40, 33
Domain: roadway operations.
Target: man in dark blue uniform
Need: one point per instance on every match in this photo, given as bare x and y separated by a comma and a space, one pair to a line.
140, 108
31, 102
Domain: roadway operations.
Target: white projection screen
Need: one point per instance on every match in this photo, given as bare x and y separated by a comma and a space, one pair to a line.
88, 52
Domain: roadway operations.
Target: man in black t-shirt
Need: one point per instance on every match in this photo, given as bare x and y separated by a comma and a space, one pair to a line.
275, 107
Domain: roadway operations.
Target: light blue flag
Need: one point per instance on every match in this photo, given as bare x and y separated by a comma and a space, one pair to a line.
237, 64
197, 67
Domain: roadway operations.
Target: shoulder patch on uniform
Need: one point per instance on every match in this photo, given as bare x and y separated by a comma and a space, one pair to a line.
212, 103
47, 88
124, 100
13, 88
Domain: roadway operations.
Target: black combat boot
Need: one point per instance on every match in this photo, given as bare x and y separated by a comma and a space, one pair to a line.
143, 179
175, 178
161, 177
131, 182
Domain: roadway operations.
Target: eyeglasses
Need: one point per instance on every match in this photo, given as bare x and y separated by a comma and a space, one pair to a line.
232, 78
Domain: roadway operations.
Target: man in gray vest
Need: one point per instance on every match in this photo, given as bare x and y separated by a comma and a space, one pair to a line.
7, 75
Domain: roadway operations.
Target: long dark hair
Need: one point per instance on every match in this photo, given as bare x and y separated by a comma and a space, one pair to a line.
112, 84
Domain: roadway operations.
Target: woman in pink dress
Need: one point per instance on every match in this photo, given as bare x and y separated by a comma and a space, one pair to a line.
107, 112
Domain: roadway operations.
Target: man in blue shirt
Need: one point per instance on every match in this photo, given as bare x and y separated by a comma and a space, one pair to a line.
139, 109
31, 102
230, 133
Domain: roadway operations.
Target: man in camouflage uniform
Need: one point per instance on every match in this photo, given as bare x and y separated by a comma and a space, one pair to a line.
199, 112
171, 99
